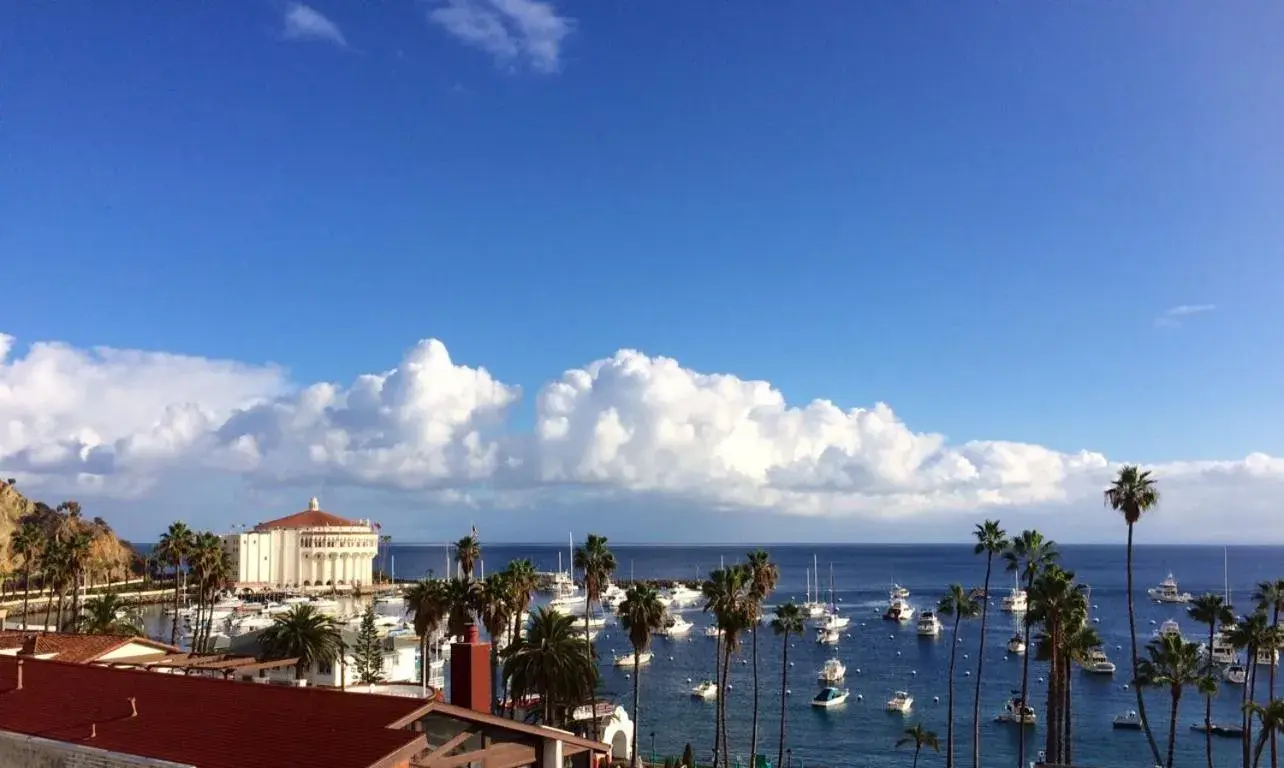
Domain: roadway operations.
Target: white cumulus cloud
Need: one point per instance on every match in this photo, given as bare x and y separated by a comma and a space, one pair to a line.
302, 22
630, 428
513, 31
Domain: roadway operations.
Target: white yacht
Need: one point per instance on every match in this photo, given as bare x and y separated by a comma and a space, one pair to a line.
899, 610
323, 604
248, 624
626, 659
1127, 721
828, 636
1016, 644
1169, 628
567, 601
833, 671
901, 701
1167, 592
676, 627
1268, 657
713, 630
1015, 600
813, 608
899, 593
684, 595
1098, 663
832, 620
830, 697
707, 690
928, 624
1222, 651
1016, 711
1235, 674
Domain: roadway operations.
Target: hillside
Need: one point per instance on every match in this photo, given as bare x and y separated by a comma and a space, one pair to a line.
110, 554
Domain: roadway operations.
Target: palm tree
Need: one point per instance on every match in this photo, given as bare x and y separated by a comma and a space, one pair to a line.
1210, 609
993, 541
1079, 641
958, 604
763, 575
1028, 555
1133, 494
1174, 664
495, 609
1270, 596
426, 601
524, 580
597, 564
174, 546
920, 738
726, 594
467, 552
212, 570
1271, 718
107, 614
303, 633
79, 546
788, 621
1252, 633
641, 614
1057, 605
25, 543
550, 661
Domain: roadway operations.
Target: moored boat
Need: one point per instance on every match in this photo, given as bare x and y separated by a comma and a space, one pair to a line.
928, 624
830, 697
901, 702
1127, 721
707, 690
1167, 592
626, 659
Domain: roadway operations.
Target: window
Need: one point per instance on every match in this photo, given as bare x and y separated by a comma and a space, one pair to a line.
325, 668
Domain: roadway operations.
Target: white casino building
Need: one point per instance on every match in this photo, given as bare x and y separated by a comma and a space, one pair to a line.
308, 548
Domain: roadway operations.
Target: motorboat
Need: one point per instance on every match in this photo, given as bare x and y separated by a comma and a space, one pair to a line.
1169, 628
713, 630
1222, 651
295, 599
1217, 729
1127, 721
901, 702
1268, 657
828, 636
676, 627
928, 624
1098, 663
684, 595
899, 593
833, 671
276, 609
707, 690
392, 599
323, 604
248, 624
832, 620
1167, 592
565, 602
589, 634
1235, 674
830, 697
899, 610
1015, 601
626, 659
1016, 644
1015, 710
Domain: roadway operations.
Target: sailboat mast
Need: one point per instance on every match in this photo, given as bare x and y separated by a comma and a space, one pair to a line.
807, 575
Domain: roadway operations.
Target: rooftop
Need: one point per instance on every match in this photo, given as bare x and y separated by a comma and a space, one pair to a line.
75, 648
312, 517
203, 721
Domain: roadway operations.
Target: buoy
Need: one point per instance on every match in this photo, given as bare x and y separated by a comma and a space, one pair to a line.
1094, 606
791, 663
626, 675
1095, 620
898, 653
965, 655
1152, 621
936, 699
858, 670
1125, 686
688, 679
729, 686
859, 697
967, 673
862, 623
1041, 679
788, 692
891, 637
913, 671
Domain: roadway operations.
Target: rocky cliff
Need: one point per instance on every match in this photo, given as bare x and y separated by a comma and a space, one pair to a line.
109, 553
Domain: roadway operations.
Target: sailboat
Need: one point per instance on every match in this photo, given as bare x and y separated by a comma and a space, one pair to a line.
813, 609
832, 621
565, 594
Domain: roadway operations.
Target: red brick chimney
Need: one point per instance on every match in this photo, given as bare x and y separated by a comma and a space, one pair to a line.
470, 672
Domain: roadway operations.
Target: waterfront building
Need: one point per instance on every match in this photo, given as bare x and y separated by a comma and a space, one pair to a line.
306, 549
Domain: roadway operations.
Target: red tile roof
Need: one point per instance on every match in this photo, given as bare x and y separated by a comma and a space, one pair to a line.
202, 721
308, 518
79, 649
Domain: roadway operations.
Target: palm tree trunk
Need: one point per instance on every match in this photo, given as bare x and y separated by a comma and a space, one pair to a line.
917, 748
1054, 690
726, 683
75, 602
1208, 698
980, 668
753, 738
588, 609
784, 686
1172, 725
26, 594
1025, 680
717, 707
48, 606
173, 630
1275, 623
1132, 635
949, 721
1246, 722
423, 659
1252, 691
62, 593
1065, 733
1257, 750
636, 668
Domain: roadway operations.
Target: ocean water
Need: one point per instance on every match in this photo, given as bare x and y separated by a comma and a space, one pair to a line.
890, 656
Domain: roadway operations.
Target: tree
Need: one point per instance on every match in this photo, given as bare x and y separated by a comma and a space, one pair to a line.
641, 615
993, 542
1058, 606
788, 621
25, 543
1270, 597
1133, 494
958, 604
467, 553
212, 570
763, 575
688, 757
726, 594
1252, 633
551, 662
426, 601
302, 633
495, 609
597, 564
524, 581
107, 614
79, 544
175, 543
367, 652
1210, 609
1174, 664
920, 738
1271, 718
1028, 555
1078, 643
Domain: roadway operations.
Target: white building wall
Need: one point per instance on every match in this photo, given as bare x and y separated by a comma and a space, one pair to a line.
285, 557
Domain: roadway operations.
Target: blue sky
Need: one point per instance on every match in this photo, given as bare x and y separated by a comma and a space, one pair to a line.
978, 213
